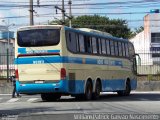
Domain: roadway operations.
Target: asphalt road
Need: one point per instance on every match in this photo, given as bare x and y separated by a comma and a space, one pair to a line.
109, 106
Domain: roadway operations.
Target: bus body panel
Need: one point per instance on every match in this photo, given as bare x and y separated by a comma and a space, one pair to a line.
113, 72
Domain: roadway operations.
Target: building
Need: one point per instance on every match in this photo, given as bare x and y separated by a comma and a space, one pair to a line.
4, 34
147, 44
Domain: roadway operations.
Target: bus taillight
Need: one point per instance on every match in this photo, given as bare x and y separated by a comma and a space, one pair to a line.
16, 74
63, 73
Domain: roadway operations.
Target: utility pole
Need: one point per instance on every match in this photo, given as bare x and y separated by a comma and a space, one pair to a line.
63, 12
70, 13
31, 13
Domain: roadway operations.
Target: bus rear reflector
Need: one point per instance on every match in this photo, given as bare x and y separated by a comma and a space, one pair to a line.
16, 74
63, 73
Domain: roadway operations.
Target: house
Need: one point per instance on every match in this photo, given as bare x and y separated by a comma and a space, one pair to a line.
147, 44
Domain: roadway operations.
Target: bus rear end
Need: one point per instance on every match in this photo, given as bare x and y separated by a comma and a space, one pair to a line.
39, 62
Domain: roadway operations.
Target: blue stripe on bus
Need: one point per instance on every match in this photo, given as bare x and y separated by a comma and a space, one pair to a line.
90, 61
63, 86
24, 51
65, 59
113, 85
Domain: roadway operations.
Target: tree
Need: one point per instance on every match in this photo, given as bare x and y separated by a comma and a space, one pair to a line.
138, 30
116, 27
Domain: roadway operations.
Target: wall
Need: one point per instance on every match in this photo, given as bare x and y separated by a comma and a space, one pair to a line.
5, 87
148, 86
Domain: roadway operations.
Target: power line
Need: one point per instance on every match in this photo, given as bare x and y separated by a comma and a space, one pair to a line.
92, 5
114, 4
78, 13
49, 15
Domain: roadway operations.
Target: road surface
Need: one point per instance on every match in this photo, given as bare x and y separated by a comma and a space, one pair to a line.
109, 106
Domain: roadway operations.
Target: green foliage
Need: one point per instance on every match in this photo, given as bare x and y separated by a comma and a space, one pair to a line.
137, 31
116, 27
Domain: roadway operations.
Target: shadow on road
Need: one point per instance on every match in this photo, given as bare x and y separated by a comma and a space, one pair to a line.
116, 98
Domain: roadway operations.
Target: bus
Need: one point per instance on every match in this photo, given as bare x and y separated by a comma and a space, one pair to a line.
55, 60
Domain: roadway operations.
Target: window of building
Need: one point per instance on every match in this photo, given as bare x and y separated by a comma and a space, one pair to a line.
155, 37
155, 55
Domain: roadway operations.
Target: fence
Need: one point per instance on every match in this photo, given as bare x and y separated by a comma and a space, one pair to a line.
149, 69
3, 65
150, 64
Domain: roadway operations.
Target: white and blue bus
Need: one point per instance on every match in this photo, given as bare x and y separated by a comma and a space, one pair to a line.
55, 60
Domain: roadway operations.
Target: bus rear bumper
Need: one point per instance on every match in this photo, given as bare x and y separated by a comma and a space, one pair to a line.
38, 88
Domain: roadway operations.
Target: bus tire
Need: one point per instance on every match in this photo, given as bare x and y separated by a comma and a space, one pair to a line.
127, 90
96, 94
50, 96
88, 91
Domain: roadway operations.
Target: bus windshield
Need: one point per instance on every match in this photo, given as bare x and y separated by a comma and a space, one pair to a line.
38, 37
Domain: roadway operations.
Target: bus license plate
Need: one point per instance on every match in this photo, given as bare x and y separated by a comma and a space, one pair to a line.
39, 81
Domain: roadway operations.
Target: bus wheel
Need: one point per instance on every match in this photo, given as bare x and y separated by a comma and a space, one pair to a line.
96, 94
50, 97
125, 92
88, 91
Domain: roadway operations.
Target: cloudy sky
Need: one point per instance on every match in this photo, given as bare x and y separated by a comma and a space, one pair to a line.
17, 11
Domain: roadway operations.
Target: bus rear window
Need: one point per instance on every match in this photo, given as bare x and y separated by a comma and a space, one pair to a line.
38, 37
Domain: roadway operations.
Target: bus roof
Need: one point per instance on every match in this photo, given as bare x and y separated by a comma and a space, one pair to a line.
108, 36
79, 30
38, 27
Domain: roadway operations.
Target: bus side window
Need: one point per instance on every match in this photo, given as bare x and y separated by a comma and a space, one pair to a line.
120, 48
127, 50
94, 45
131, 50
103, 46
77, 40
123, 50
116, 48
88, 47
71, 41
81, 43
99, 46
112, 47
108, 47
